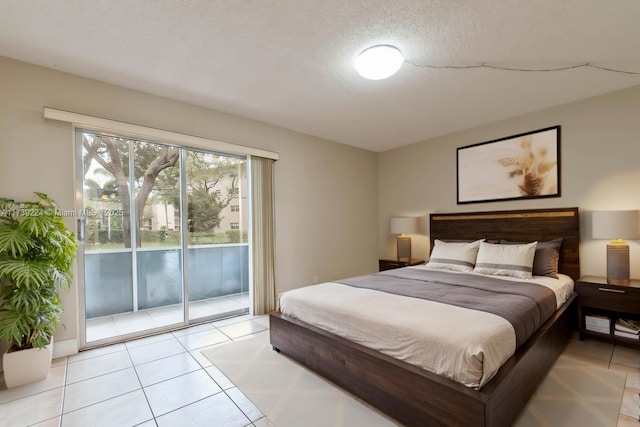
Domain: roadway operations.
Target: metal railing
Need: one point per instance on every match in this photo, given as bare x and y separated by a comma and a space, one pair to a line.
213, 271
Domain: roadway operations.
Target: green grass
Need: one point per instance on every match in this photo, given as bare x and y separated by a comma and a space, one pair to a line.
172, 240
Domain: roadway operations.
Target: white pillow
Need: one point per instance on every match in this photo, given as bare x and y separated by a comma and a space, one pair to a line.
454, 256
506, 260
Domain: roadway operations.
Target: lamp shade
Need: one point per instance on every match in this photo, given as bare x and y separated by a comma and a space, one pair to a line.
616, 225
403, 225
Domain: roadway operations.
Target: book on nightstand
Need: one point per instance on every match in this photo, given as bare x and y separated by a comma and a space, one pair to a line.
627, 328
626, 334
597, 323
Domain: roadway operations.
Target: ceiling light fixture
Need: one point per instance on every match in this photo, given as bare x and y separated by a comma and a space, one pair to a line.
379, 62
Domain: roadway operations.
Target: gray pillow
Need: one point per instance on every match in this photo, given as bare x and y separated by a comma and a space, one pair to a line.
545, 261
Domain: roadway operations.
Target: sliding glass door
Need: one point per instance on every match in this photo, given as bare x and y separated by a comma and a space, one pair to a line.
217, 235
164, 236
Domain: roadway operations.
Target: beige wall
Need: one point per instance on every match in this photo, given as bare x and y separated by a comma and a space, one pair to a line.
326, 193
600, 170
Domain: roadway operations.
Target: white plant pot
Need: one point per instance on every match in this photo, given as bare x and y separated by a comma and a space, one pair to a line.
27, 366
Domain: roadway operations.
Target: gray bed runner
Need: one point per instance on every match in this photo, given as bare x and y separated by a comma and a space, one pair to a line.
525, 305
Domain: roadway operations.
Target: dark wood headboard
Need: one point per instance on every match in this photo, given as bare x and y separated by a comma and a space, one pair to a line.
520, 226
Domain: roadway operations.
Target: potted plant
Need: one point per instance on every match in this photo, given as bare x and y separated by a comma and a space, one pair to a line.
36, 261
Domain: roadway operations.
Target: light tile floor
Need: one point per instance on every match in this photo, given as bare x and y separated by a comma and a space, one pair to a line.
163, 380
617, 357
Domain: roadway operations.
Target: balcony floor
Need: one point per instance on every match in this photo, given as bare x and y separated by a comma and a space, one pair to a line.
107, 327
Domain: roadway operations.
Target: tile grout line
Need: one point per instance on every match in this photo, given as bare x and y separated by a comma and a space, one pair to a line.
237, 388
96, 376
202, 368
187, 351
64, 390
251, 422
196, 401
146, 398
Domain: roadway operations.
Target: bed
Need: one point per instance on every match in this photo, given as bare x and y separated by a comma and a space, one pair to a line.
415, 396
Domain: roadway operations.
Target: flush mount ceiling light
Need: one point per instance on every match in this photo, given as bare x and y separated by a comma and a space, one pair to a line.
379, 62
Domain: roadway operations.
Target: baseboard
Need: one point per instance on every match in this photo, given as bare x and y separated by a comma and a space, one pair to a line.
65, 348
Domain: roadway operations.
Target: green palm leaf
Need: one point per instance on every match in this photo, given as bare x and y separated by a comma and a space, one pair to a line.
13, 240
25, 273
34, 224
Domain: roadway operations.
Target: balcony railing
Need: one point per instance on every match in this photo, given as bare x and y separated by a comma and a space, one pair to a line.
213, 271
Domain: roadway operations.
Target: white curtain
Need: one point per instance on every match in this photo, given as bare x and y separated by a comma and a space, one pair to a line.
263, 244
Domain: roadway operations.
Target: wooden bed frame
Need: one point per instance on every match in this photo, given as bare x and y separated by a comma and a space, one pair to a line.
416, 397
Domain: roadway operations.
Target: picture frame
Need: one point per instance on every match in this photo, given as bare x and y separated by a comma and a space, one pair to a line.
523, 166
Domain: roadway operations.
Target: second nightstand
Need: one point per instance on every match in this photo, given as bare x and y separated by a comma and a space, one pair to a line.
600, 305
390, 264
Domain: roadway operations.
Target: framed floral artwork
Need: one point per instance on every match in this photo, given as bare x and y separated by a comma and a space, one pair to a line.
523, 166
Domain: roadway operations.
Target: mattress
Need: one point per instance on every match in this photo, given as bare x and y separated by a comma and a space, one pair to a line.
465, 345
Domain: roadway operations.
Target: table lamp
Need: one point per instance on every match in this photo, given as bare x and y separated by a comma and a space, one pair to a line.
617, 225
403, 226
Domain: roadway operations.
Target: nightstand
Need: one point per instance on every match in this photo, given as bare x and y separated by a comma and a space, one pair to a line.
601, 304
390, 264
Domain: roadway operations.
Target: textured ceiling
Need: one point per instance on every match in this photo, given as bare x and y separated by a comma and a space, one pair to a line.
289, 62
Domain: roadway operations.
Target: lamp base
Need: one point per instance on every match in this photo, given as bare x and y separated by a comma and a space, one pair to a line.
618, 264
404, 248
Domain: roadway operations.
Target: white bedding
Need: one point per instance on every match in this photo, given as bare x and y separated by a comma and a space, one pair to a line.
465, 345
